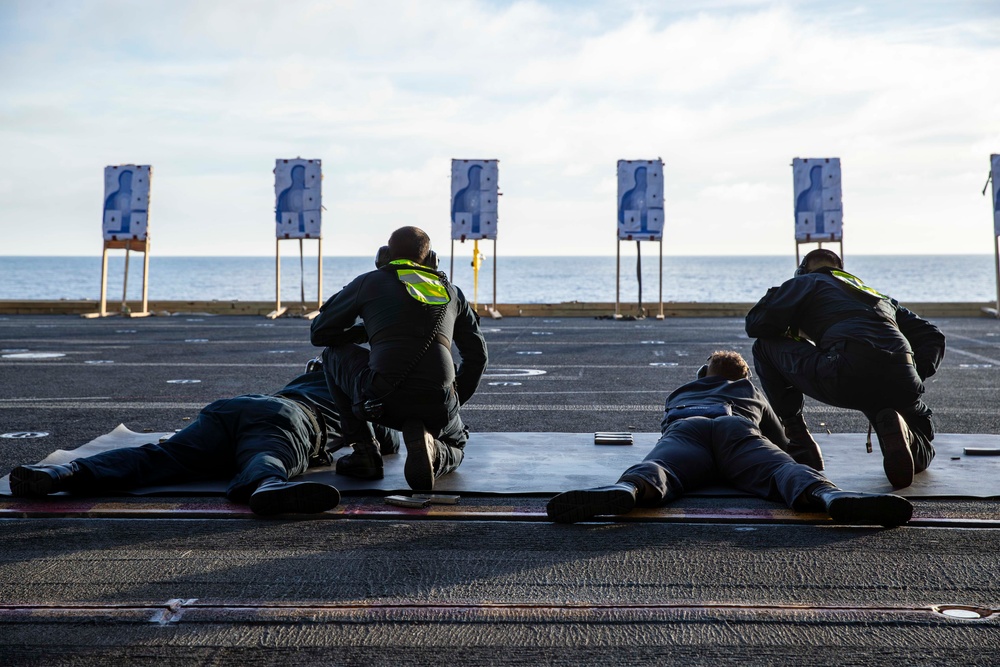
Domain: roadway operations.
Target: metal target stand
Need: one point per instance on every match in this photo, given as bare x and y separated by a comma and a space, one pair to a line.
640, 218
128, 246
280, 310
474, 212
995, 311
490, 310
134, 236
618, 266
995, 208
298, 196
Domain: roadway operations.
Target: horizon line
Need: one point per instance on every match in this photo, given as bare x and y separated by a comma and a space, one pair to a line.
366, 256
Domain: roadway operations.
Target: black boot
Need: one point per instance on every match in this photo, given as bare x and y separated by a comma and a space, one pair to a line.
421, 452
583, 504
276, 496
365, 462
854, 507
36, 481
388, 439
803, 448
894, 441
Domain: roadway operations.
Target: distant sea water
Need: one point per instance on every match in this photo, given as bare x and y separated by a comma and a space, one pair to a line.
519, 279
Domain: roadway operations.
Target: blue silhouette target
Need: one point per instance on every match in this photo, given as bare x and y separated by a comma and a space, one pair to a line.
474, 199
298, 199
819, 208
640, 200
995, 172
126, 202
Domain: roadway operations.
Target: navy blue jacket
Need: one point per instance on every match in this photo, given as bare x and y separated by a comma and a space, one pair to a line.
826, 311
398, 326
743, 398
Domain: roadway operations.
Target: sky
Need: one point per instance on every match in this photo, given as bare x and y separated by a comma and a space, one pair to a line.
387, 92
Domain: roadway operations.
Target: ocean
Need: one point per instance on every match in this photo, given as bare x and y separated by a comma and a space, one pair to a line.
908, 278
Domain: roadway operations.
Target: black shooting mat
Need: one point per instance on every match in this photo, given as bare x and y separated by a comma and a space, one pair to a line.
547, 463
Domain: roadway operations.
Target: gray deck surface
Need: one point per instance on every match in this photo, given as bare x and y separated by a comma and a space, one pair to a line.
448, 590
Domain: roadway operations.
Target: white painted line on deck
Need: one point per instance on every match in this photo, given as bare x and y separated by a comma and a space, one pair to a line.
511, 372
674, 326
615, 343
658, 407
67, 398
33, 355
162, 340
564, 408
570, 393
984, 343
973, 355
636, 366
163, 364
118, 405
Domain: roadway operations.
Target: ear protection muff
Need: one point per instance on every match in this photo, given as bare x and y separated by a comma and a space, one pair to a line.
432, 260
703, 371
801, 270
383, 257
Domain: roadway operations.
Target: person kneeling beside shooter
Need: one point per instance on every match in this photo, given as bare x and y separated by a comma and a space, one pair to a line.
713, 431
826, 334
408, 379
261, 441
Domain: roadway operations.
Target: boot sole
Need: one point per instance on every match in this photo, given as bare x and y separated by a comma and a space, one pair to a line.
897, 460
584, 504
884, 510
418, 469
299, 498
27, 483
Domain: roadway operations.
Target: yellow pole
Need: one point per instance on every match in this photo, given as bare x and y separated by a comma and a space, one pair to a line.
477, 261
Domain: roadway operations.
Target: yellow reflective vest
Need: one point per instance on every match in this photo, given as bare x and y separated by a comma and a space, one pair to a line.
421, 283
856, 283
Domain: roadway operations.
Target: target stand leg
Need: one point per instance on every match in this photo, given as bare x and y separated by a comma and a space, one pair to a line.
493, 312
126, 245
303, 309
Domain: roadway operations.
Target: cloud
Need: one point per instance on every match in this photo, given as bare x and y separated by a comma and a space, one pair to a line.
387, 92
742, 192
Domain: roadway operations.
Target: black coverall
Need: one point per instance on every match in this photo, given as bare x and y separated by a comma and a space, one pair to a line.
398, 328
249, 438
714, 431
870, 353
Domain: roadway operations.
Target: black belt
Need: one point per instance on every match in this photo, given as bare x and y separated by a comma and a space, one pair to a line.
865, 351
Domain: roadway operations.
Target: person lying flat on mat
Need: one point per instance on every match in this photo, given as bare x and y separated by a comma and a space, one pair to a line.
260, 441
720, 429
